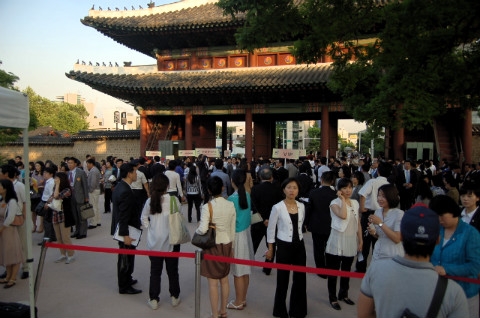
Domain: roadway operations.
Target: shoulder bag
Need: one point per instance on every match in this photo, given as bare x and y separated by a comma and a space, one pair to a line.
436, 302
207, 240
178, 232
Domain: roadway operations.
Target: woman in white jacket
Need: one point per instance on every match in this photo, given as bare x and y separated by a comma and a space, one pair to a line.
154, 218
286, 220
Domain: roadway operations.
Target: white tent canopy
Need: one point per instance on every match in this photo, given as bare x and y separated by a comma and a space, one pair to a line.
14, 113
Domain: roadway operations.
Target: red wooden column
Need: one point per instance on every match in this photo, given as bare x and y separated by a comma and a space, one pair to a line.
143, 131
399, 138
248, 134
188, 130
324, 132
398, 144
467, 136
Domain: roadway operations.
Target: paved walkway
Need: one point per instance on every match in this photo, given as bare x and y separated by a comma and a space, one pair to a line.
88, 286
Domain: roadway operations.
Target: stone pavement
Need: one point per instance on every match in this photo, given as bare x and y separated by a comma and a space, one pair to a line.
88, 286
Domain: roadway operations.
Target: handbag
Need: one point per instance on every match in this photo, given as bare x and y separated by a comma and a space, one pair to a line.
40, 208
56, 205
178, 231
207, 240
86, 211
18, 220
256, 218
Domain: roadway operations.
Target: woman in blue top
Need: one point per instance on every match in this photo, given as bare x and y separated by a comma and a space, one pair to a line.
458, 253
243, 248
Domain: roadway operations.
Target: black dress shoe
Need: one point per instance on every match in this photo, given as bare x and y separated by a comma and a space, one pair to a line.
24, 275
130, 291
267, 271
74, 235
133, 282
90, 227
79, 237
335, 305
348, 301
99, 224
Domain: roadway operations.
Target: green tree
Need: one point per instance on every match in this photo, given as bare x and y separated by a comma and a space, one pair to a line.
412, 58
366, 137
314, 142
8, 80
61, 116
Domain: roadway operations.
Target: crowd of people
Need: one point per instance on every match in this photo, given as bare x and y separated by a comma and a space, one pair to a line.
397, 211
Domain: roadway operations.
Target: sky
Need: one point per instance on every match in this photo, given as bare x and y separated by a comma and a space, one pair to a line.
40, 41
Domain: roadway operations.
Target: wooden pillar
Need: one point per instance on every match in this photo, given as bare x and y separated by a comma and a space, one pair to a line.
264, 132
143, 131
224, 137
324, 131
398, 144
333, 135
248, 134
467, 137
188, 129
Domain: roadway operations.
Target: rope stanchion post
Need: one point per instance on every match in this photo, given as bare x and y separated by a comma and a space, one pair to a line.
198, 261
41, 262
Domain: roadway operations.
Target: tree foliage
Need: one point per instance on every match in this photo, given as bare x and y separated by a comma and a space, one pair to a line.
61, 116
313, 143
365, 141
397, 64
8, 79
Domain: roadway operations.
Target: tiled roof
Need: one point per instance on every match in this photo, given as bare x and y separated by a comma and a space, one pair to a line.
145, 89
108, 134
82, 135
200, 26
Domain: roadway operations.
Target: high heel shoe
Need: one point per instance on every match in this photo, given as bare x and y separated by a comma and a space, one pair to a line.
231, 305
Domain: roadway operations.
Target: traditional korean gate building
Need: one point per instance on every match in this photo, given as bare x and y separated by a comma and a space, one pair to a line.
200, 78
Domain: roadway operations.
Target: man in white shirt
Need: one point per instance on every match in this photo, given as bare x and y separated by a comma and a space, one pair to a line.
368, 204
322, 168
48, 174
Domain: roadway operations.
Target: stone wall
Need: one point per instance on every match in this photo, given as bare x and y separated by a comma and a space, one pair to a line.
476, 149
100, 149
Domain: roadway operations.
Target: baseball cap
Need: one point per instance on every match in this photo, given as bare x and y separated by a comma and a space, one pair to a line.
420, 225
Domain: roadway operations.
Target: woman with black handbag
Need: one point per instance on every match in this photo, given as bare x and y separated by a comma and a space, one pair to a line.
223, 216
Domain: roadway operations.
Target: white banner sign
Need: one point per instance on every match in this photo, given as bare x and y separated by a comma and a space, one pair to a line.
209, 152
285, 153
149, 153
172, 157
187, 153
302, 152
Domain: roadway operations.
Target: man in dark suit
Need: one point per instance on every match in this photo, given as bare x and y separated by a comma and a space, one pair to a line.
406, 183
79, 185
123, 215
318, 217
282, 173
264, 196
156, 167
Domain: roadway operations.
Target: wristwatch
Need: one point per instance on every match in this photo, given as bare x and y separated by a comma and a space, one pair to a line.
380, 224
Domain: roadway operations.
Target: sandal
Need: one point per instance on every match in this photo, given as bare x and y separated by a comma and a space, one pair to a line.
222, 315
244, 304
34, 229
231, 305
3, 281
10, 283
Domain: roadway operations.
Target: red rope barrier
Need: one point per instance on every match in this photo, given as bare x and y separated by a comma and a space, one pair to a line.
280, 266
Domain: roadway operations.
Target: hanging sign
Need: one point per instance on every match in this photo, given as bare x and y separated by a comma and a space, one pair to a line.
209, 152
285, 153
187, 153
